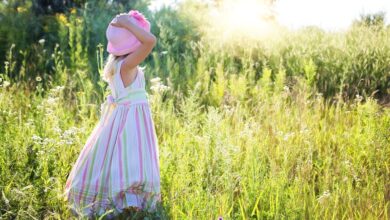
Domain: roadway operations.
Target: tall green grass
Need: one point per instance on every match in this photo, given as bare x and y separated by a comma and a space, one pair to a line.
280, 155
284, 129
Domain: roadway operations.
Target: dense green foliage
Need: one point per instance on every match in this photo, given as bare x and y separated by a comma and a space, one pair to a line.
282, 128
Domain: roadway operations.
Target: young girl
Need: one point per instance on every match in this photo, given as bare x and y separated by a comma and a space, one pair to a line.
118, 166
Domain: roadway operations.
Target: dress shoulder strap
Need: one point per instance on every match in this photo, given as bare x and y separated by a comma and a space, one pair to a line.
118, 66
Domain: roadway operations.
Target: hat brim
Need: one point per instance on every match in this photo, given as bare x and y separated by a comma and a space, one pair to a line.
119, 52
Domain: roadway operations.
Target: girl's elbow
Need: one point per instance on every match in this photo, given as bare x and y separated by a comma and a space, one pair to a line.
152, 40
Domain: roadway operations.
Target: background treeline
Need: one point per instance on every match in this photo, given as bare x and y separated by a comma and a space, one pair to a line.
277, 128
38, 37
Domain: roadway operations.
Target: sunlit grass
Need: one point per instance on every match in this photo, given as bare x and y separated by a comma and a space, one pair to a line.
284, 129
278, 155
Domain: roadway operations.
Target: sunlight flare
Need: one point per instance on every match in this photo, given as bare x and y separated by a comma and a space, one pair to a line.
237, 20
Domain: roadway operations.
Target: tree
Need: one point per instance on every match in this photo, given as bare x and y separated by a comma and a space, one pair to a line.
374, 19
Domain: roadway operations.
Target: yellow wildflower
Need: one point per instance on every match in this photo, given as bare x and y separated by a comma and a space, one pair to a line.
62, 18
21, 9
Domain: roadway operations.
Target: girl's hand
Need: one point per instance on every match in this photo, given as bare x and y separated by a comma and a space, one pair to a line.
121, 20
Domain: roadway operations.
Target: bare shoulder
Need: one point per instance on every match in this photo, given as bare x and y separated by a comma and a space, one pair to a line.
128, 75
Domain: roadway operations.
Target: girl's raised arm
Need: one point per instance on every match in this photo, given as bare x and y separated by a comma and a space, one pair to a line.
148, 41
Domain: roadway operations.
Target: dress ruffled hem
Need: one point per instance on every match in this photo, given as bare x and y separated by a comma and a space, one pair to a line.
144, 201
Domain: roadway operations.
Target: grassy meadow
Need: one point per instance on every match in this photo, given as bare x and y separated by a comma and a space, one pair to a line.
289, 127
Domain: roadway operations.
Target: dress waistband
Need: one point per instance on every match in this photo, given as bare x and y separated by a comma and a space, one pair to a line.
132, 97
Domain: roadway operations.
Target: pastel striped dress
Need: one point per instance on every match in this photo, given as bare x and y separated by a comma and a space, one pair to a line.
119, 164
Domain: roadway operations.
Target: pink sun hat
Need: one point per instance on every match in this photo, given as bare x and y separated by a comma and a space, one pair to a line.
120, 40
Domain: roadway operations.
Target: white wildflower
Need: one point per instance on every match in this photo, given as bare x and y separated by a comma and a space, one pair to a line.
70, 132
29, 122
59, 88
6, 83
49, 111
57, 129
41, 152
68, 136
41, 41
6, 201
325, 195
40, 106
47, 141
51, 100
164, 87
155, 80
36, 139
159, 88
304, 130
359, 98
288, 135
347, 163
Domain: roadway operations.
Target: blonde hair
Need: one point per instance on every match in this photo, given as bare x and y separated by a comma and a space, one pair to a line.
110, 66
